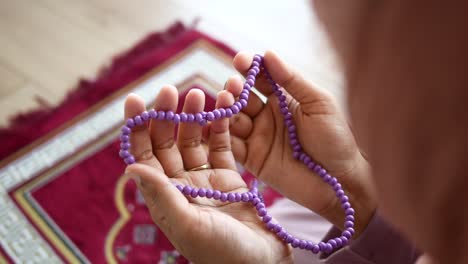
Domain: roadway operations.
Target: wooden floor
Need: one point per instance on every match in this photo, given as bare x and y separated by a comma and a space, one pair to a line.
47, 45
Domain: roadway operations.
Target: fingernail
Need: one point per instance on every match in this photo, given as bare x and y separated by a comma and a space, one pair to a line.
225, 85
134, 176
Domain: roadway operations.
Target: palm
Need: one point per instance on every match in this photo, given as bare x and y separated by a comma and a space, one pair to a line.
225, 225
324, 136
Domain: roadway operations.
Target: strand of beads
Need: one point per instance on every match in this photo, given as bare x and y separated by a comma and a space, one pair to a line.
253, 196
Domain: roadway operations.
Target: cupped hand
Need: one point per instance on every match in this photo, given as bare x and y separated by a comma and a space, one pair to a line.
260, 142
203, 230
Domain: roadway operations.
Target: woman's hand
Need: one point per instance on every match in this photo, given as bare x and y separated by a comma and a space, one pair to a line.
260, 142
202, 230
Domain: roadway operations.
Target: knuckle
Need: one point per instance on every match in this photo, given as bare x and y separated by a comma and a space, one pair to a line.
191, 142
144, 155
165, 144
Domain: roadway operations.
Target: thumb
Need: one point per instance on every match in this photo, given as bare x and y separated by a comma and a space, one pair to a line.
167, 206
299, 88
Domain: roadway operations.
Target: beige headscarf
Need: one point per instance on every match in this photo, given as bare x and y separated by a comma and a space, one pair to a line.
406, 64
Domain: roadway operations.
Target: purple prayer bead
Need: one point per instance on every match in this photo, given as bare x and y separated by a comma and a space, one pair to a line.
180, 187
277, 228
346, 205
210, 116
235, 109
261, 212
295, 243
309, 245
231, 197
161, 115
255, 201
125, 145
322, 172
315, 249
337, 187
145, 116
176, 119
124, 138
344, 199
257, 58
216, 114
198, 117
187, 190
349, 218
339, 193
349, 211
270, 225
228, 112
338, 241
260, 205
224, 197
282, 234
222, 112
194, 193
190, 117
243, 102
169, 115
130, 123
297, 148
344, 240
202, 192
153, 114
124, 153
238, 197
138, 120
129, 160
289, 238
333, 243
125, 130
216, 195
245, 197
302, 244
348, 224
209, 193
328, 248
346, 234
322, 246
243, 96
183, 117
266, 218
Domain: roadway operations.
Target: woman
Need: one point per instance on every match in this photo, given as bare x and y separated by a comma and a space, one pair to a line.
405, 66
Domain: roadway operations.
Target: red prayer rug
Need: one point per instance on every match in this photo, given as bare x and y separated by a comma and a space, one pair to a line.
63, 197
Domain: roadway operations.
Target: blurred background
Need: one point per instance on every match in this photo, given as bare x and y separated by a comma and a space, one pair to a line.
46, 46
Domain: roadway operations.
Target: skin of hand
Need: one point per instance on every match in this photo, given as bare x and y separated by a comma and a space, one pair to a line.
260, 142
202, 230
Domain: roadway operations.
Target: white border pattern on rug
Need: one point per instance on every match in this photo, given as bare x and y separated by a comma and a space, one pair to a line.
19, 238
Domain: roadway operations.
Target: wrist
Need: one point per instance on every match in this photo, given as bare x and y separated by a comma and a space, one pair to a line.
359, 188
